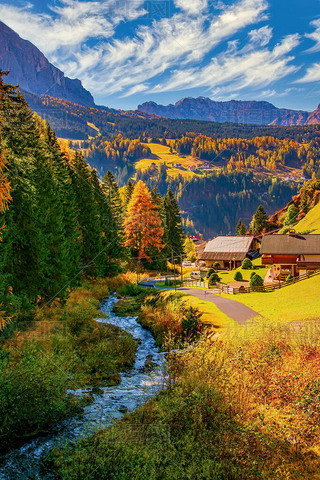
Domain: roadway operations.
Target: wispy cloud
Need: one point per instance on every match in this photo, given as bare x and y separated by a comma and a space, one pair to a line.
315, 36
173, 53
312, 74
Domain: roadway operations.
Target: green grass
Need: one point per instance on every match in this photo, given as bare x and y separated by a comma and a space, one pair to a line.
227, 277
311, 222
295, 302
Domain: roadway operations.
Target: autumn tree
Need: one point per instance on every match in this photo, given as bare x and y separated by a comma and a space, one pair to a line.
142, 224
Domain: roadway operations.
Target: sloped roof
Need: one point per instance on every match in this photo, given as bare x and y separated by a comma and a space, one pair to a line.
290, 245
227, 248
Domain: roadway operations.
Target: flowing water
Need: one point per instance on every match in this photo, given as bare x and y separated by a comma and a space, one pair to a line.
137, 387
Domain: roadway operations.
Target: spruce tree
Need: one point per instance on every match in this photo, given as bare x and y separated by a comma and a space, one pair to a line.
240, 228
173, 232
259, 221
90, 235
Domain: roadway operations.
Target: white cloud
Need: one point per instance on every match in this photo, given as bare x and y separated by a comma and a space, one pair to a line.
71, 24
174, 53
315, 36
179, 40
312, 74
238, 70
261, 37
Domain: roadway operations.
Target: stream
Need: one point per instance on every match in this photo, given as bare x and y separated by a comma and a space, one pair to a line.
136, 388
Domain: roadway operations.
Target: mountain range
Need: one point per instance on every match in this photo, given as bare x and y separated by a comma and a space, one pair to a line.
234, 111
41, 81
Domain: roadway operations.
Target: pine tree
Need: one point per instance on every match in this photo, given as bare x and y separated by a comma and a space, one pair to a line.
21, 249
240, 228
142, 223
90, 238
173, 232
259, 221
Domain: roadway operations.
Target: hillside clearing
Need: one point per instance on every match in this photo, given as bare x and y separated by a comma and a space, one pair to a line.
311, 222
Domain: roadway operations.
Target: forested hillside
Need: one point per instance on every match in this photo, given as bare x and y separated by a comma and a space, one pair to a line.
61, 223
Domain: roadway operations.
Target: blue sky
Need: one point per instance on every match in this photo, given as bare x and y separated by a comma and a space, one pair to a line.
128, 52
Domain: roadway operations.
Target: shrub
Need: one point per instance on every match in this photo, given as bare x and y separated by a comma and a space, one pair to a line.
214, 279
238, 276
256, 281
246, 264
216, 265
252, 274
130, 290
210, 272
289, 278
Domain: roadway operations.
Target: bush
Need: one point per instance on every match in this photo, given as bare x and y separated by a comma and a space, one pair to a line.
210, 272
214, 279
216, 265
289, 278
246, 264
256, 281
130, 290
252, 274
238, 276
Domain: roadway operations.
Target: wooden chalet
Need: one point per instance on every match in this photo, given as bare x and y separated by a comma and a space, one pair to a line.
290, 254
229, 251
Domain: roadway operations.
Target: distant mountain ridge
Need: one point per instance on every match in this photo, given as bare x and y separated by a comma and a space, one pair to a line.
30, 69
234, 111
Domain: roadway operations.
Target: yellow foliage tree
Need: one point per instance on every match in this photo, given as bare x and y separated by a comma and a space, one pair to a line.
142, 224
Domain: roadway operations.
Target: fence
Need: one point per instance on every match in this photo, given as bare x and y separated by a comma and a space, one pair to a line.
266, 288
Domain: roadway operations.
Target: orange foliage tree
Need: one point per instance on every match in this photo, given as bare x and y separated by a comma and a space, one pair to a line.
142, 225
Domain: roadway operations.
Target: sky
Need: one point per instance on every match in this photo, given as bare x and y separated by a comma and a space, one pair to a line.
127, 52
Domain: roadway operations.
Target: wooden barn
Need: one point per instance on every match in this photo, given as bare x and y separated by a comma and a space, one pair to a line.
229, 251
290, 254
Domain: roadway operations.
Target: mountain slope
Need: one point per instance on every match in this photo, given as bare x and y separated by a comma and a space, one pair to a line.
252, 112
34, 73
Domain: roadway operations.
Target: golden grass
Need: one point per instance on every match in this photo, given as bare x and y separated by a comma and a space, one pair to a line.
162, 154
310, 222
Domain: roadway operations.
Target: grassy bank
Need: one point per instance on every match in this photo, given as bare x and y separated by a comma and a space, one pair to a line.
297, 302
61, 348
238, 407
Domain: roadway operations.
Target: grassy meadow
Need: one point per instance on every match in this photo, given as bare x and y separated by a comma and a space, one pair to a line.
162, 154
311, 222
295, 302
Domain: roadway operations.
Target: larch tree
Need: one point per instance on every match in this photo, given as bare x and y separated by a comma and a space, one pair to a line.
142, 224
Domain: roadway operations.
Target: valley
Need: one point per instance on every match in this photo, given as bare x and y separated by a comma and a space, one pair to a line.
159, 266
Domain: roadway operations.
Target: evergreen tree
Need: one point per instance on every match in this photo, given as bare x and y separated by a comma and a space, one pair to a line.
259, 221
291, 215
173, 232
90, 238
113, 219
240, 228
